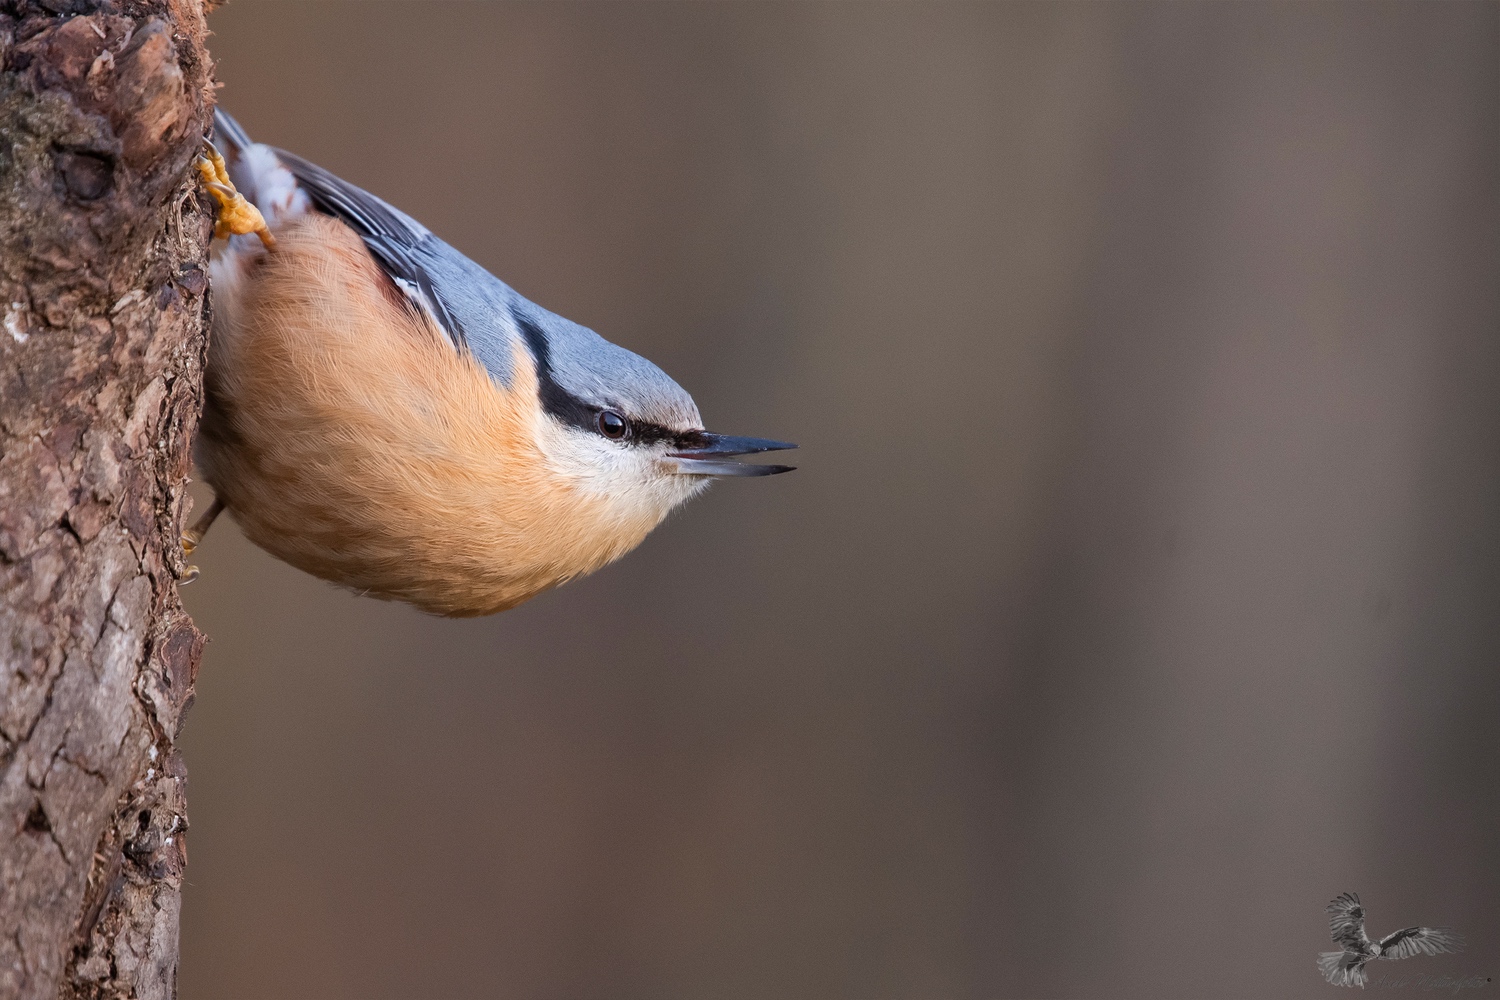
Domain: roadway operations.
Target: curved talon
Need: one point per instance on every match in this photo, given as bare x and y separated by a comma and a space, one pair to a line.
189, 574
217, 159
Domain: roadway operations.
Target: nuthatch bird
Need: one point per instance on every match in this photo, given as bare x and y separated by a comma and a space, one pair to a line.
384, 413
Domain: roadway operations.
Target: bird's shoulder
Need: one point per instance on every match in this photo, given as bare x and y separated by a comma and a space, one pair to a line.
476, 310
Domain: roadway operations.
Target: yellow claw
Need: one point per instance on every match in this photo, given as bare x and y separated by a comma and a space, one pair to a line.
192, 537
190, 540
236, 215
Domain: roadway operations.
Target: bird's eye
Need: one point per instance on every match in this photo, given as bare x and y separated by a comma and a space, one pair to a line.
612, 425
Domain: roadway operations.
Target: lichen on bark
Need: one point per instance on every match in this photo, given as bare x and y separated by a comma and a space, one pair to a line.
103, 242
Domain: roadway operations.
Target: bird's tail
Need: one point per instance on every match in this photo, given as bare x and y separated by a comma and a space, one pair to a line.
229, 133
1342, 968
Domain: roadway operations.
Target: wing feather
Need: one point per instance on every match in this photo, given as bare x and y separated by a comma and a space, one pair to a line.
1411, 941
1346, 922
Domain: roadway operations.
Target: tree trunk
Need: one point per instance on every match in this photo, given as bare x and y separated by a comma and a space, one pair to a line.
103, 295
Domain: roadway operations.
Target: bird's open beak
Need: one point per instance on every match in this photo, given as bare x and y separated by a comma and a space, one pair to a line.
704, 454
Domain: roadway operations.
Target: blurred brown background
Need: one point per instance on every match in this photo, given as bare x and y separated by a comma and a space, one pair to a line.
1138, 592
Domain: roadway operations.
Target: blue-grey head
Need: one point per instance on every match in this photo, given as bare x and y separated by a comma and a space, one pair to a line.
620, 424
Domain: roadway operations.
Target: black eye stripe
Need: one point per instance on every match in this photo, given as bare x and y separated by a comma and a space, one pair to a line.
556, 400
571, 410
638, 432
644, 433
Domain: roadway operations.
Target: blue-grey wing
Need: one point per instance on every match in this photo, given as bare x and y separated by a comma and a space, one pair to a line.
394, 238
470, 305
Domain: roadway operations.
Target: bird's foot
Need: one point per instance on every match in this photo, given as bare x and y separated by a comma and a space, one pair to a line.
237, 216
193, 537
190, 540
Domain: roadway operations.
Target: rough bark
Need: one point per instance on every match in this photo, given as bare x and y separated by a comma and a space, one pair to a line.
103, 299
